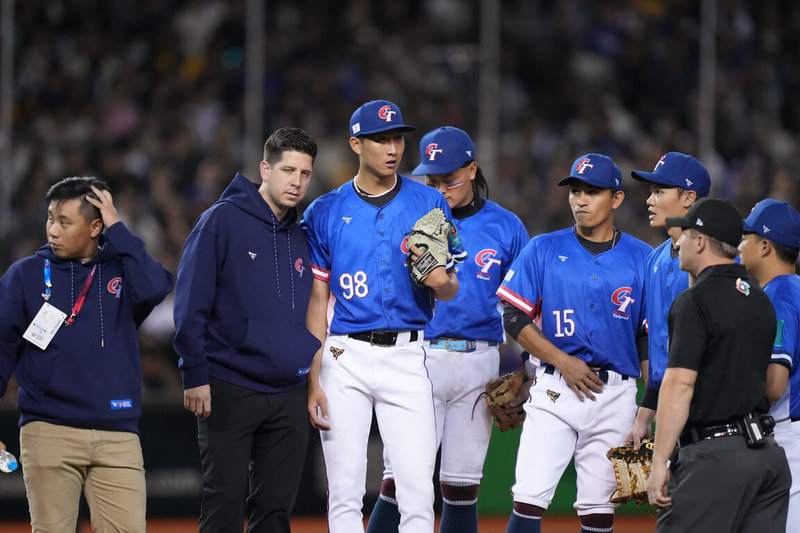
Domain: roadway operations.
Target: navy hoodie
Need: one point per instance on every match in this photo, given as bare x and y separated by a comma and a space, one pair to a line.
90, 374
241, 297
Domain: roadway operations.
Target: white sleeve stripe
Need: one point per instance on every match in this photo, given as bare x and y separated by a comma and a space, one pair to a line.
320, 273
516, 300
781, 357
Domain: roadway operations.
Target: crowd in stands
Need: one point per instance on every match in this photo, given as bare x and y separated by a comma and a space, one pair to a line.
148, 95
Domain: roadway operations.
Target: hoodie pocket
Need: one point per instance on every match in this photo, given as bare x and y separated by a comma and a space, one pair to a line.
37, 371
277, 352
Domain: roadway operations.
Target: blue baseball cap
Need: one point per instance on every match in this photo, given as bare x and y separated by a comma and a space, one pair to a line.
675, 169
597, 170
444, 150
376, 116
776, 221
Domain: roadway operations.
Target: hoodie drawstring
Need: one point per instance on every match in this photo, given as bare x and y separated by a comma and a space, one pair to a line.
291, 262
275, 255
275, 223
100, 302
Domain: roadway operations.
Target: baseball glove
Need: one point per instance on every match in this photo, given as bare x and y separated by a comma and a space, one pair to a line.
631, 469
504, 397
430, 234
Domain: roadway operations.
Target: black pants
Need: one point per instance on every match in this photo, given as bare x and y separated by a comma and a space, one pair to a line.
253, 444
722, 485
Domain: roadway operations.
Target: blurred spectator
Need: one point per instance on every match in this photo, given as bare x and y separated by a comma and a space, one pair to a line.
149, 96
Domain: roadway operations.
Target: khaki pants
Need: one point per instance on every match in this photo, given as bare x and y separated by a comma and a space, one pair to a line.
58, 462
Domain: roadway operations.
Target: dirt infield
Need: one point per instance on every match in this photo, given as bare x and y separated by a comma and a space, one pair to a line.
488, 524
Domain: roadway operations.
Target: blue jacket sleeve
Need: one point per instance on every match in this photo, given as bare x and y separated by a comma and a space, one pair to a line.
12, 324
146, 281
194, 298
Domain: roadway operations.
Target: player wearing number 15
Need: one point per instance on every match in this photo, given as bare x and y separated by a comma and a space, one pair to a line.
586, 285
373, 357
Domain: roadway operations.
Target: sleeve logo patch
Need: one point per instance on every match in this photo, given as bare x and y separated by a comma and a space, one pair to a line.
779, 334
121, 404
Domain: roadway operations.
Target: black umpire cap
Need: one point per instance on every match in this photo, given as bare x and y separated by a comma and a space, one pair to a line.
713, 217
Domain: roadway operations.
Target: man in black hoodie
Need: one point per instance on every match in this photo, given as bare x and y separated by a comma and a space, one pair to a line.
241, 297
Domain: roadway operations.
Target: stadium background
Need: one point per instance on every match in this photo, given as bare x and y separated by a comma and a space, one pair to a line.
167, 99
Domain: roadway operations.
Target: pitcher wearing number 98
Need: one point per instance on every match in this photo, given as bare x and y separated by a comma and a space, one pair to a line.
585, 284
373, 356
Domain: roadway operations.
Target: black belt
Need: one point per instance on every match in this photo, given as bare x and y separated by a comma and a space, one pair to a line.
693, 435
602, 374
381, 337
795, 419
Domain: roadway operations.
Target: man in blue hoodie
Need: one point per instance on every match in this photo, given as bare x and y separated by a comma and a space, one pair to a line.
68, 320
241, 298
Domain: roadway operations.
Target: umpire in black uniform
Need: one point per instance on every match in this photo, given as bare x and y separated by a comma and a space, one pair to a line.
728, 473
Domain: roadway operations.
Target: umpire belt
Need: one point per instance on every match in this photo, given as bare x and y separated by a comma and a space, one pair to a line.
385, 337
604, 374
452, 344
690, 436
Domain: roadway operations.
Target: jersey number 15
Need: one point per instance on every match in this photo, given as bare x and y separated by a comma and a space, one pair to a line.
565, 326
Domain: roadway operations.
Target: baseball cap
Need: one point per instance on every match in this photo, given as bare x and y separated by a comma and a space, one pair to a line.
376, 116
444, 150
597, 170
675, 169
776, 221
713, 217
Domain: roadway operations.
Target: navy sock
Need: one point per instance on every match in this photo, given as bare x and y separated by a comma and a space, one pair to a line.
459, 518
385, 517
521, 524
597, 523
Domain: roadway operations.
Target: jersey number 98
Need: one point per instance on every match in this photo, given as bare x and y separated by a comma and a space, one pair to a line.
354, 284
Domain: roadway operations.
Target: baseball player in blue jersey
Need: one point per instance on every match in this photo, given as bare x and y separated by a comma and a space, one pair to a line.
462, 339
585, 285
769, 252
676, 182
373, 356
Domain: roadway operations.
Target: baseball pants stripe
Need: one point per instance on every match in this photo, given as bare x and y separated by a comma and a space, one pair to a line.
394, 381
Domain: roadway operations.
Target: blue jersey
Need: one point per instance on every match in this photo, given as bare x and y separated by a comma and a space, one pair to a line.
590, 306
360, 251
493, 237
784, 291
665, 280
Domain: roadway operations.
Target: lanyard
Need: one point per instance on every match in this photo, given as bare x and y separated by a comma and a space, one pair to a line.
48, 284
81, 297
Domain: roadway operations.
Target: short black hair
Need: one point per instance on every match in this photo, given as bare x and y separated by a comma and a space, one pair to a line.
785, 253
77, 187
289, 139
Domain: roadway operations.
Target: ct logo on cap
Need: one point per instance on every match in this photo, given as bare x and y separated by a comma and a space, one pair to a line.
660, 162
386, 113
583, 164
432, 150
